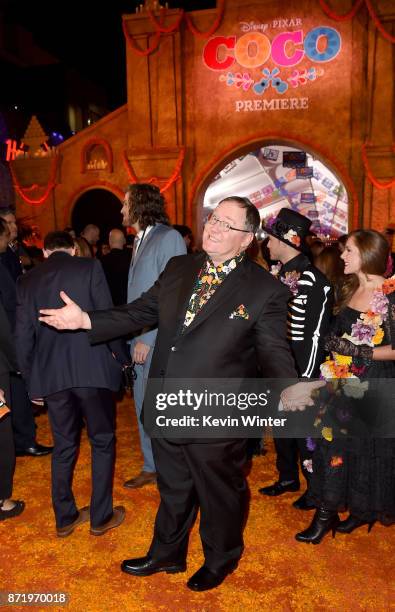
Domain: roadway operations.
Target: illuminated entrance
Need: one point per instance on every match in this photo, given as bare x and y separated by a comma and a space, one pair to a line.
267, 177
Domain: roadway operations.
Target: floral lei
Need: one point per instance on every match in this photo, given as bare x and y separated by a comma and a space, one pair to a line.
289, 278
367, 330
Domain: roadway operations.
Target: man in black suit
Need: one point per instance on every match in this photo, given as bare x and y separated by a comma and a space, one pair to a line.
116, 266
75, 378
193, 303
9, 508
23, 425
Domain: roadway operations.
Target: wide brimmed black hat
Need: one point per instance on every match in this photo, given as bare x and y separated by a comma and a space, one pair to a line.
291, 228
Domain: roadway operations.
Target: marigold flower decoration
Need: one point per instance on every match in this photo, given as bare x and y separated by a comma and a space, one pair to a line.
367, 330
389, 285
292, 237
336, 461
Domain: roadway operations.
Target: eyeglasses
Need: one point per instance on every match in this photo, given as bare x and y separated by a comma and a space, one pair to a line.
224, 225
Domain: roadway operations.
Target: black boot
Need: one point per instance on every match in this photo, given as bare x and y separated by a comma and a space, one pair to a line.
323, 522
353, 522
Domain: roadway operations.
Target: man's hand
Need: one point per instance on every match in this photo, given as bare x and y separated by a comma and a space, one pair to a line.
140, 352
297, 397
2, 396
69, 317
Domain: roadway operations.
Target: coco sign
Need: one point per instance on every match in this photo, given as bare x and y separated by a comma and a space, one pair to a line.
238, 59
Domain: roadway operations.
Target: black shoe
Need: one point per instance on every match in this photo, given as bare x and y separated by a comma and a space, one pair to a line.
205, 579
302, 503
38, 450
278, 488
351, 523
16, 510
323, 522
145, 566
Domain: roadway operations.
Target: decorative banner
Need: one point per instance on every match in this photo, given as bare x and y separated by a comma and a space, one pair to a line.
303, 173
294, 159
307, 198
271, 154
246, 62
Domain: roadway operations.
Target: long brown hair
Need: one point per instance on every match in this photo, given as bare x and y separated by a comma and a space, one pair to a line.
373, 249
82, 248
146, 205
329, 263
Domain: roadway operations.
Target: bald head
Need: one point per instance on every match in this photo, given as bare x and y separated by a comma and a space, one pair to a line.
116, 239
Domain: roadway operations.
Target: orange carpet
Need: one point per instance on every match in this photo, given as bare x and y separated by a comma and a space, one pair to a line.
276, 573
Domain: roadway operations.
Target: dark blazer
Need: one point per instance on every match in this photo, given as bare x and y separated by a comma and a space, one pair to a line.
52, 361
116, 268
8, 294
11, 261
7, 348
214, 345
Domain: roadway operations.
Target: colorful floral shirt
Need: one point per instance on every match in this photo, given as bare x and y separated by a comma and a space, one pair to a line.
209, 279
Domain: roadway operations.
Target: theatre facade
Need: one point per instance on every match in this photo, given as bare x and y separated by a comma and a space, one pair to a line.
288, 103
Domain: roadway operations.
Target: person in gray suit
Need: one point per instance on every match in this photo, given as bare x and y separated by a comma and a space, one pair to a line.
156, 242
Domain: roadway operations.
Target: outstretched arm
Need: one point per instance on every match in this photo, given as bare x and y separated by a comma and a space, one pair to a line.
105, 325
71, 316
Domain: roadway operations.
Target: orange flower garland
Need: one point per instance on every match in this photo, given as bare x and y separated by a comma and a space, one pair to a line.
373, 180
49, 187
155, 179
335, 16
160, 29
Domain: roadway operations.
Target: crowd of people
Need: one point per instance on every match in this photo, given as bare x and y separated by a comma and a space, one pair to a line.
290, 307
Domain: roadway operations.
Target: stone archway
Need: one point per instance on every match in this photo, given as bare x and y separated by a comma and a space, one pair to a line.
98, 206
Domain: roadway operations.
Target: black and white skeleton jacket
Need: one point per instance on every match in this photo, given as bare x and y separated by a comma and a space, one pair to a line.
309, 313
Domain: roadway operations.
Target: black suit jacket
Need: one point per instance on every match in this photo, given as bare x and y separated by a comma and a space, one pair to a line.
52, 361
10, 259
7, 348
8, 294
214, 345
116, 268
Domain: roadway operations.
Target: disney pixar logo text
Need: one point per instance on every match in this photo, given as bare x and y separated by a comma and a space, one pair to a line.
238, 58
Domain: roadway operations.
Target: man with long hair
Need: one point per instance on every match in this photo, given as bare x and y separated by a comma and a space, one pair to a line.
155, 243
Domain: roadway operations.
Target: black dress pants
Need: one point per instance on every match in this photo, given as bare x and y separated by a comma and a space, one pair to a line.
206, 476
23, 424
7, 451
289, 451
65, 410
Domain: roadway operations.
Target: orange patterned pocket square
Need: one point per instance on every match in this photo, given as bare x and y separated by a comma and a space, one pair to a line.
240, 313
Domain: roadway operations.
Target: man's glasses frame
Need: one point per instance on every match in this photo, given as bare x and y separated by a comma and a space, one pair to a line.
224, 225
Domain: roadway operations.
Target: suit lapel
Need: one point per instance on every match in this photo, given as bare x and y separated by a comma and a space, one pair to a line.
146, 241
222, 295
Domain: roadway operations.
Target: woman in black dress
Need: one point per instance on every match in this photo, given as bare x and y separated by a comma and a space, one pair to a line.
357, 473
